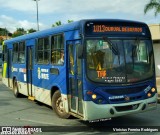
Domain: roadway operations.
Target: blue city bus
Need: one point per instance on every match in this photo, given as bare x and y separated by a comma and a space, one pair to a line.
91, 69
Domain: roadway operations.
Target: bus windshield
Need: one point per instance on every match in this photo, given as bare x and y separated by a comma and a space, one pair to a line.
119, 60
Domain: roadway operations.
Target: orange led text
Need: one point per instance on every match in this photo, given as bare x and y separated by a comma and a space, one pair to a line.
101, 73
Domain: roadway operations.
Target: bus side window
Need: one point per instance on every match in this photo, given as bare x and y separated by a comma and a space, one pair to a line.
4, 55
15, 52
21, 52
46, 50
40, 51
43, 50
57, 49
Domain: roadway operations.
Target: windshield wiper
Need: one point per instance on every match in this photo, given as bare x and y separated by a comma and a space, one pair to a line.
135, 50
137, 41
111, 45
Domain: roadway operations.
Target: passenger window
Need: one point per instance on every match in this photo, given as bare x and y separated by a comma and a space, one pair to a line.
57, 48
21, 52
43, 51
15, 53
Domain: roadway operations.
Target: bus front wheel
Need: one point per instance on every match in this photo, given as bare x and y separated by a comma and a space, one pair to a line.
15, 88
57, 105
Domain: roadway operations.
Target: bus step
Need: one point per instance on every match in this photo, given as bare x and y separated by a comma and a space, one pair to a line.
31, 98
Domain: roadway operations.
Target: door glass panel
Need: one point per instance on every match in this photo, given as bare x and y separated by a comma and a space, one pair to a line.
29, 70
79, 64
30, 59
80, 109
75, 76
73, 93
71, 60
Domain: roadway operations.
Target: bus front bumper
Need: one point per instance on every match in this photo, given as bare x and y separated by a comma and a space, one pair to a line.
94, 111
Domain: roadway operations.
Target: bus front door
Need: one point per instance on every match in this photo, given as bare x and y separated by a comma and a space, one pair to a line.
75, 79
29, 66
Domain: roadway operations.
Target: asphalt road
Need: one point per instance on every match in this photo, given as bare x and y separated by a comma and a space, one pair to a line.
23, 112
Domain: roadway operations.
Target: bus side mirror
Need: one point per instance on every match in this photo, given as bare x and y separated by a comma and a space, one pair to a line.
80, 51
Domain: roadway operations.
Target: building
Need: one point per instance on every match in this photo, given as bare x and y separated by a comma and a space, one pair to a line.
155, 31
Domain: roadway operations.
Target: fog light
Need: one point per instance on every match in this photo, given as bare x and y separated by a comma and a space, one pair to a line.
94, 96
100, 101
149, 94
153, 89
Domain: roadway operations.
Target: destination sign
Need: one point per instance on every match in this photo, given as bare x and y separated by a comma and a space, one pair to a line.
105, 28
114, 28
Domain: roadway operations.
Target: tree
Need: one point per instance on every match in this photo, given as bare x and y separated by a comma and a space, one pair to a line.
58, 23
31, 30
69, 21
1, 40
19, 32
3, 32
153, 4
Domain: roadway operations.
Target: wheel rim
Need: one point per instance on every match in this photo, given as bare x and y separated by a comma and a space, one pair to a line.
59, 105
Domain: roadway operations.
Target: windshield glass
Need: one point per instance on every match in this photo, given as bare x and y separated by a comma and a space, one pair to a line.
119, 61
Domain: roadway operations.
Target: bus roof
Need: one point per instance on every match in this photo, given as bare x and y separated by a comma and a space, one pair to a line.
68, 27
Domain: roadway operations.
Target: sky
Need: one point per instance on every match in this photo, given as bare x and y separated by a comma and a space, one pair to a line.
23, 13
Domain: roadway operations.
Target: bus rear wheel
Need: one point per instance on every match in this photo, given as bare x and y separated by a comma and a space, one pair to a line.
57, 105
15, 89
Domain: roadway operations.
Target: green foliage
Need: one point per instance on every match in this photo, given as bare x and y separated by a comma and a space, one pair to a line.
58, 23
3, 31
1, 41
31, 30
19, 32
70, 21
153, 5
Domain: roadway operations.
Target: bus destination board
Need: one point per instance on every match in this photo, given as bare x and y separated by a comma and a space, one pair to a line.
111, 28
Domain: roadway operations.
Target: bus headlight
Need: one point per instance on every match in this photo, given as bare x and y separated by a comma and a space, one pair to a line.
153, 89
94, 96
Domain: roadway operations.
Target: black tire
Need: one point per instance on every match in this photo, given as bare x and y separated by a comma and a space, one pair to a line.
15, 89
57, 105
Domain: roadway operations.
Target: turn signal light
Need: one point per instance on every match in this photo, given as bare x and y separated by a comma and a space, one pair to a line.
89, 92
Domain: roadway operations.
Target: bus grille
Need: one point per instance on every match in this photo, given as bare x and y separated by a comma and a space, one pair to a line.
126, 108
